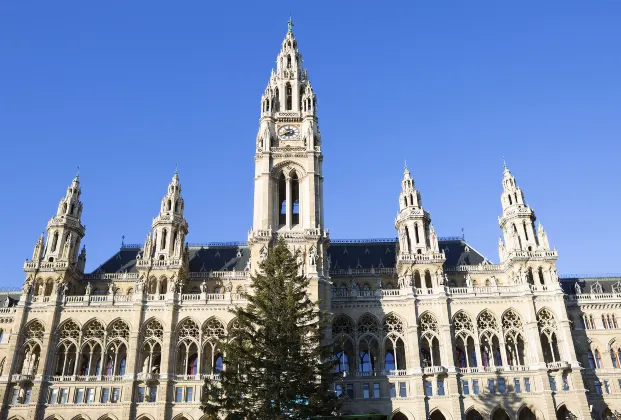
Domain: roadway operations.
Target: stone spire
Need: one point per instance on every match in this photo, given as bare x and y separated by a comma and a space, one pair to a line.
37, 254
517, 220
169, 227
416, 235
65, 230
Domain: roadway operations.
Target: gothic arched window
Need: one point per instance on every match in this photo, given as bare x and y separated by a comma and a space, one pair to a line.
295, 199
547, 331
164, 234
55, 241
288, 97
282, 200
429, 341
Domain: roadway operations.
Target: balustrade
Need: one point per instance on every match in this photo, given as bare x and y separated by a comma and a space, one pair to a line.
432, 370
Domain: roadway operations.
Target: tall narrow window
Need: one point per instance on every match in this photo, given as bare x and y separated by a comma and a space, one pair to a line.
525, 230
295, 199
288, 61
510, 200
591, 360
614, 321
288, 97
604, 322
598, 359
163, 244
416, 233
282, 200
592, 322
407, 238
531, 280
55, 241
276, 104
541, 280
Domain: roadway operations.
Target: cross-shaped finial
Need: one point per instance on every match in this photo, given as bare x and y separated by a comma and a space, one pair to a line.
290, 24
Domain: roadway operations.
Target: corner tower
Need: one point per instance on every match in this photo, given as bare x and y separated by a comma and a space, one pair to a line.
288, 182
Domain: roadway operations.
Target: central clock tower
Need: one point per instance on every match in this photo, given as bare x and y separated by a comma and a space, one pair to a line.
288, 181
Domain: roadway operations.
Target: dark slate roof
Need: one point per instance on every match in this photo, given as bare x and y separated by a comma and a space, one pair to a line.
378, 253
208, 257
121, 262
344, 254
568, 282
219, 258
9, 298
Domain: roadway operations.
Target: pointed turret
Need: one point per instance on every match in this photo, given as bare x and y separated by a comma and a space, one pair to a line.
37, 254
65, 230
288, 98
169, 227
413, 222
517, 220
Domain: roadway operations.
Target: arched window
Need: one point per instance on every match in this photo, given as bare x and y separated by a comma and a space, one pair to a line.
218, 364
525, 230
55, 241
295, 199
276, 104
591, 359
541, 279
288, 97
288, 61
531, 279
417, 282
598, 359
429, 341
169, 205
343, 362
416, 233
428, 283
389, 361
163, 244
122, 367
613, 358
282, 200
592, 321
407, 238
604, 323
510, 200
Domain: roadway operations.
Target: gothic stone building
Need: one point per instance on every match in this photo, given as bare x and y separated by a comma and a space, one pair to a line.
424, 327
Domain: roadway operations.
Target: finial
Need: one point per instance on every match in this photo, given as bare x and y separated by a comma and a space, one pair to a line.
122, 241
290, 24
77, 175
177, 168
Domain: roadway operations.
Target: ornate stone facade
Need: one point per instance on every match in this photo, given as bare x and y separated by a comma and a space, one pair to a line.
423, 327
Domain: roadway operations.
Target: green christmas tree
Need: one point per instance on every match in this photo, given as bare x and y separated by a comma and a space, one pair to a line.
275, 364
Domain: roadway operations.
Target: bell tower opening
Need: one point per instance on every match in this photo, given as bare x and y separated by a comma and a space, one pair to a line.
282, 200
295, 199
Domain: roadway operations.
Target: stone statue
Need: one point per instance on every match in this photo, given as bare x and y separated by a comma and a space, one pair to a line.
27, 287
65, 289
312, 256
578, 288
440, 278
329, 262
354, 284
229, 286
468, 280
172, 285
111, 288
204, 287
248, 263
22, 396
263, 254
40, 290
88, 288
378, 283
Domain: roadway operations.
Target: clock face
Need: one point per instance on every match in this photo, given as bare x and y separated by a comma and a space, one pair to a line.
289, 132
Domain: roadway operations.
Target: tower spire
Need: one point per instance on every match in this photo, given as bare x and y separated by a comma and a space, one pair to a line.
290, 24
65, 230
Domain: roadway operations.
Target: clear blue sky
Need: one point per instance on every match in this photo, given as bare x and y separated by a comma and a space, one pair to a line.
126, 89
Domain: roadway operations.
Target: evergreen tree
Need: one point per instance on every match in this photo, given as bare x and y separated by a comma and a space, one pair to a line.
275, 364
